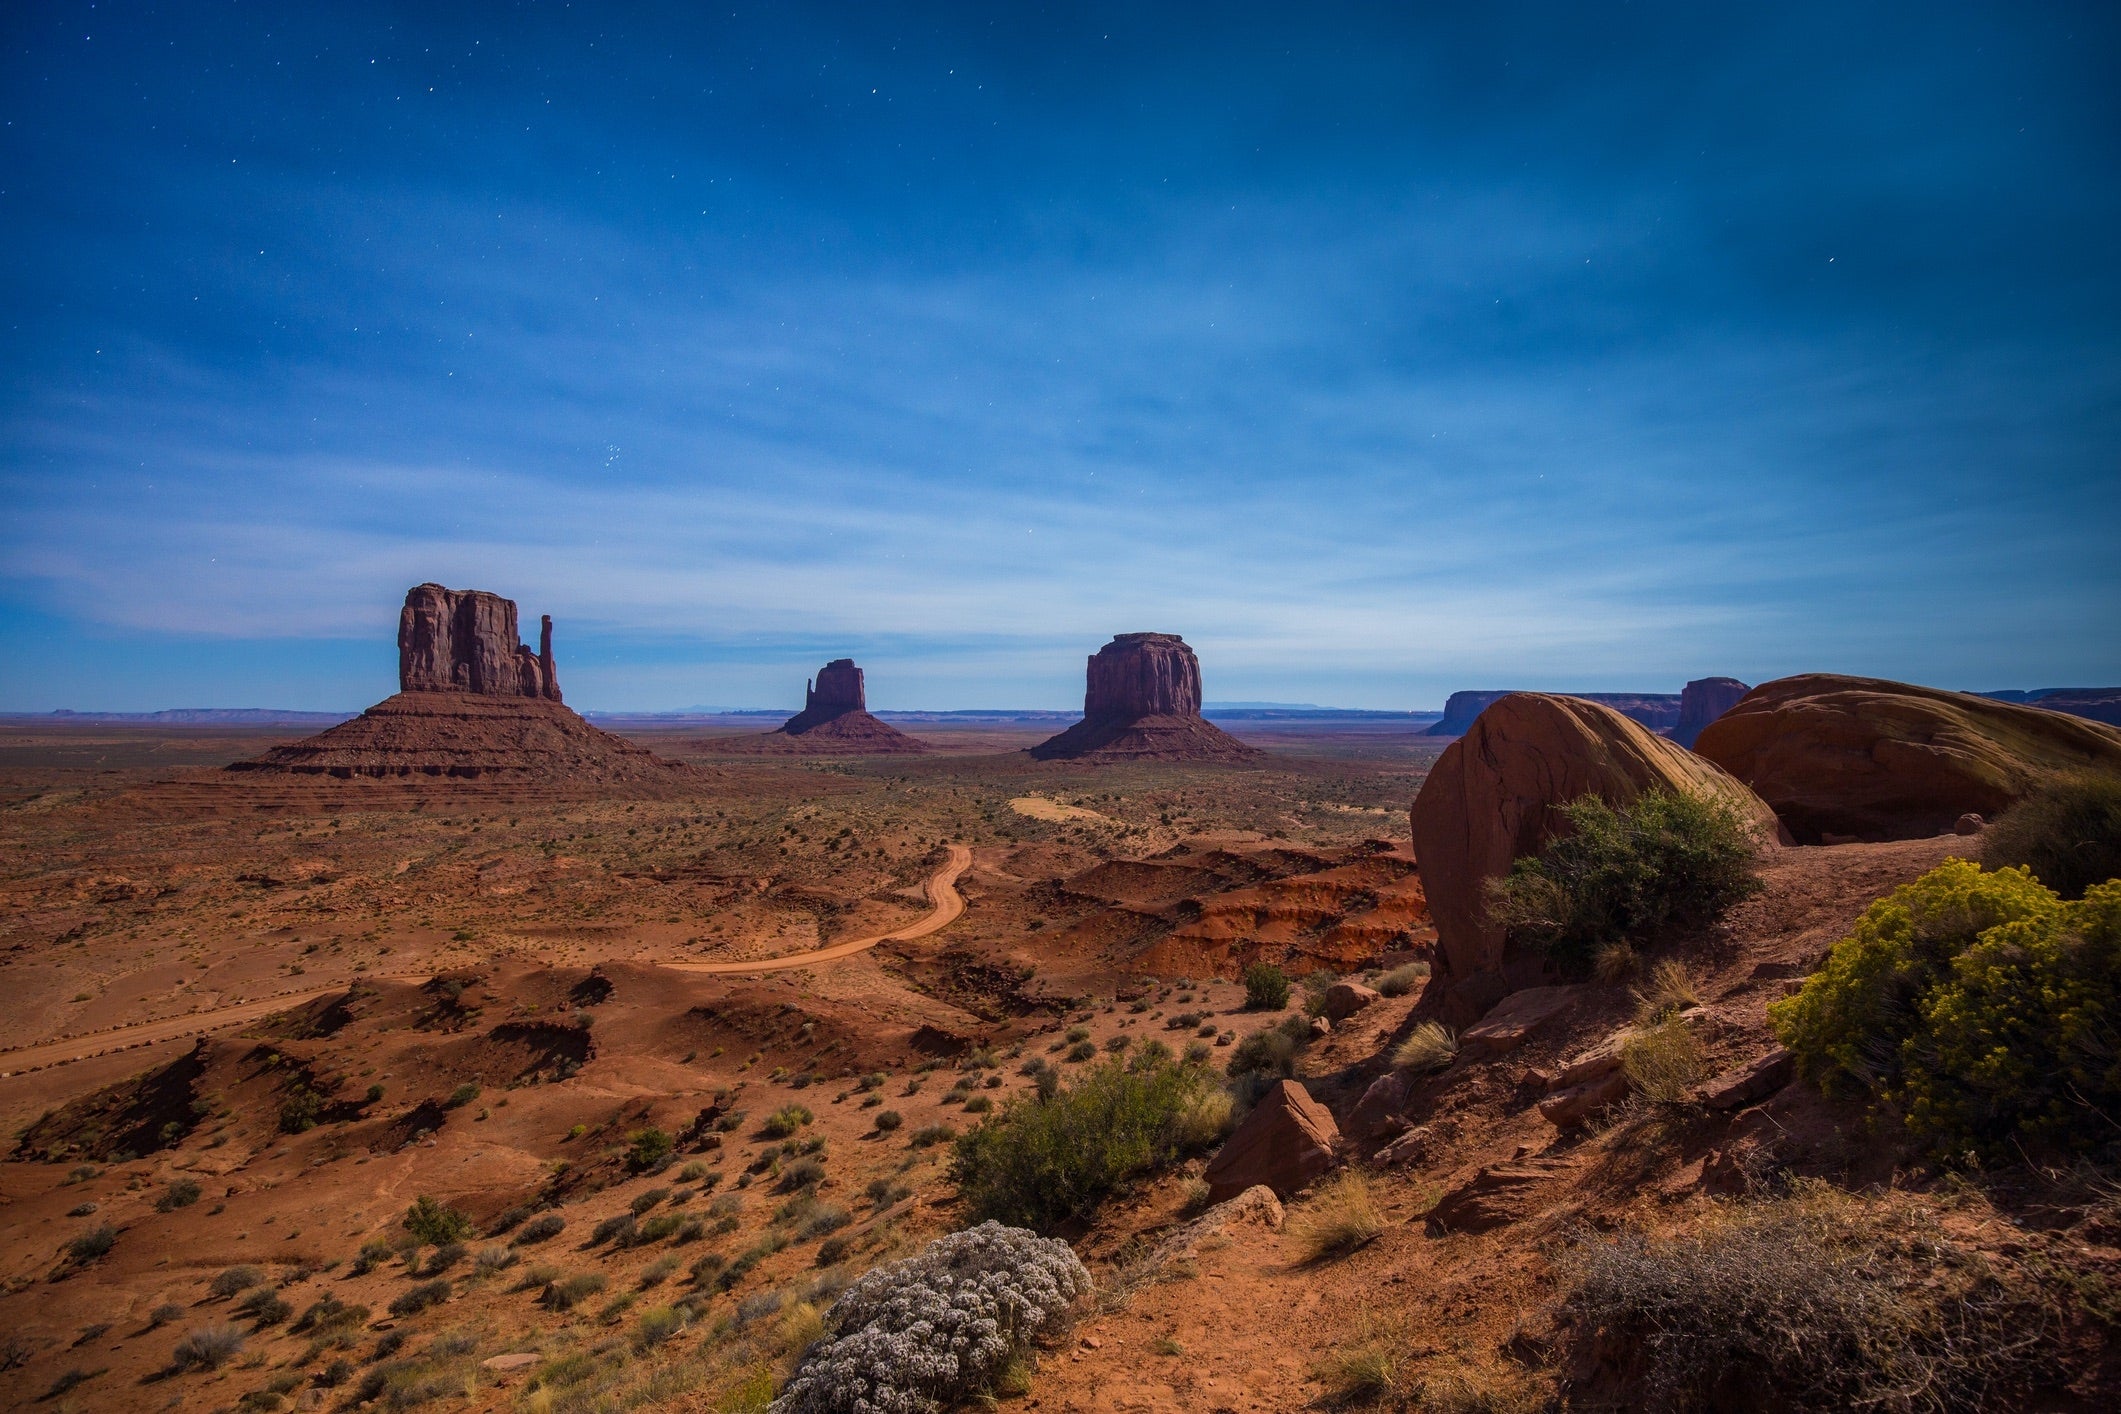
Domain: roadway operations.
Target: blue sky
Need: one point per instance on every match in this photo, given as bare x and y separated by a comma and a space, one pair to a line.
1379, 350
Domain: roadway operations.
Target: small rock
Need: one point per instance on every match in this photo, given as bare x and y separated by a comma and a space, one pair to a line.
1409, 1148
1513, 1019
1969, 824
1755, 1082
1568, 1107
1320, 1028
521, 1360
1377, 1113
1344, 999
1498, 1195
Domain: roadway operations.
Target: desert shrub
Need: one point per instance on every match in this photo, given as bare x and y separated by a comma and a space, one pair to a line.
265, 1306
299, 1111
656, 1325
803, 1173
1806, 1302
1370, 1365
167, 1312
1340, 1217
328, 1315
494, 1259
2068, 833
1668, 989
786, 1121
642, 1202
415, 1299
431, 1223
1663, 1061
208, 1348
954, 1322
1979, 1005
374, 1253
445, 1257
648, 1150
461, 1096
1271, 1052
567, 1293
619, 1228
1669, 862
930, 1135
823, 1222
1266, 987
232, 1280
1404, 979
542, 1228
1429, 1047
978, 1105
181, 1193
1040, 1162
93, 1243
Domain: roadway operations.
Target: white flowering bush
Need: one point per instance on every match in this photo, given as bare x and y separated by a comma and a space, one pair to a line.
941, 1326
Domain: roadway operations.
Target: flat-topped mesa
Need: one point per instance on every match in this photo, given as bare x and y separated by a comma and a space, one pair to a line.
465, 640
1142, 702
1702, 702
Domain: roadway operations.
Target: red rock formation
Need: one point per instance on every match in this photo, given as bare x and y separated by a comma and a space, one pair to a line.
1284, 1143
835, 720
464, 640
1492, 797
1867, 759
1703, 701
1142, 702
1659, 711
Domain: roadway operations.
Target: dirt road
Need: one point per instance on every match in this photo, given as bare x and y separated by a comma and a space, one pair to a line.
946, 906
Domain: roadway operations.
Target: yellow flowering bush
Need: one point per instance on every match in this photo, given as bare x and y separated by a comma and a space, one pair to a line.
1981, 1006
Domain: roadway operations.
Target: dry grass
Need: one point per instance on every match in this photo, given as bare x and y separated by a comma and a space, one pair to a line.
1369, 1366
1428, 1047
1614, 963
1667, 990
1402, 980
1664, 1061
1340, 1217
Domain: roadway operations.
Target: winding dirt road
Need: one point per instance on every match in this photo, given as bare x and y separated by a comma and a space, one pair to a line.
946, 906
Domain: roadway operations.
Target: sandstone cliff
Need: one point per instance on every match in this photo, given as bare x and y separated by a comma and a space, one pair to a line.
1142, 702
465, 640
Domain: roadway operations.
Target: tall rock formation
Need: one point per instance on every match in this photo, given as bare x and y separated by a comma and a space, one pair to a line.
473, 704
1492, 797
1862, 758
1142, 702
464, 640
835, 719
1703, 701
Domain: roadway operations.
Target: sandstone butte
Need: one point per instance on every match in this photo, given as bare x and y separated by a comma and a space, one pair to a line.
1493, 796
1702, 702
1142, 703
1866, 759
472, 703
835, 720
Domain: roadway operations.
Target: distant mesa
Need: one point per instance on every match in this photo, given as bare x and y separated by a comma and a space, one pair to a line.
835, 721
1142, 703
473, 704
1659, 711
1703, 701
1844, 758
2098, 704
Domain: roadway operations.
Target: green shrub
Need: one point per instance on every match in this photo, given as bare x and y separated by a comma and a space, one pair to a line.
648, 1150
235, 1279
786, 1121
181, 1193
888, 1120
1979, 1005
208, 1348
2067, 833
1271, 1052
461, 1096
418, 1298
1667, 863
1266, 987
432, 1223
93, 1243
1041, 1162
1404, 979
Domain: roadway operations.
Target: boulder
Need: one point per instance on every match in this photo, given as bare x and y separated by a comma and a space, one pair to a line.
1494, 795
1344, 999
1378, 1113
1969, 824
1749, 1084
1496, 1196
1866, 759
1142, 703
1702, 702
1513, 1019
1286, 1142
464, 640
1587, 1083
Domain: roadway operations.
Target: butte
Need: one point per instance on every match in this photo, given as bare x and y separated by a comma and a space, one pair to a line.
1142, 703
835, 721
472, 704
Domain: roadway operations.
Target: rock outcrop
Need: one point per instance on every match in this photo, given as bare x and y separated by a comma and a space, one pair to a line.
1866, 759
1142, 703
1493, 796
835, 721
474, 704
1287, 1141
464, 640
1659, 711
1702, 702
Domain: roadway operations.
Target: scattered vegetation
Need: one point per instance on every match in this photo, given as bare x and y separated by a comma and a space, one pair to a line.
233, 1280
786, 1121
181, 1193
1663, 1061
1040, 1162
1370, 1364
649, 1150
1338, 1218
2068, 833
542, 1228
1429, 1047
1266, 987
92, 1244
1404, 979
1667, 863
1979, 1006
433, 1224
415, 1299
208, 1348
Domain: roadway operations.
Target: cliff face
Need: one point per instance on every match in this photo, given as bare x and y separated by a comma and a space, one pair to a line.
1659, 711
1142, 702
1703, 701
838, 689
835, 719
465, 640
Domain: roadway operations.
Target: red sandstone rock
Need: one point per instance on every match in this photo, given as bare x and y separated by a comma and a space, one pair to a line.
1969, 824
1492, 797
1750, 1084
1496, 1196
1865, 759
464, 640
1514, 1019
835, 719
1344, 999
1285, 1143
1142, 703
1379, 1112
1703, 701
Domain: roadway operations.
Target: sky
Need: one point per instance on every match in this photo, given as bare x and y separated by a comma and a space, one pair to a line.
1380, 351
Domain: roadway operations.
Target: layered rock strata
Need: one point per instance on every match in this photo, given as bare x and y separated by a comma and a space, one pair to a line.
1844, 758
1494, 796
1142, 702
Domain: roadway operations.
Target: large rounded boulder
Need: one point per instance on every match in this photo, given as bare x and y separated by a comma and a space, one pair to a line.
1861, 758
1494, 796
